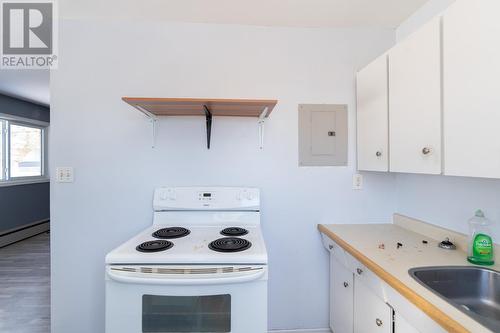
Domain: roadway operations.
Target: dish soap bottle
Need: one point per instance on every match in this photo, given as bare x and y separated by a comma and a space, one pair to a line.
480, 250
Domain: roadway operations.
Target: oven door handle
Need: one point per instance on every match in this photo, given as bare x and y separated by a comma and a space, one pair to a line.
140, 278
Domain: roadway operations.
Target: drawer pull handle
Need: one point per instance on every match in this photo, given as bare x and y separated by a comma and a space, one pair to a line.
426, 150
346, 284
359, 270
378, 322
378, 154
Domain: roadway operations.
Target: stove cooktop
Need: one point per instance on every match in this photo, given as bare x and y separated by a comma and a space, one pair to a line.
226, 244
230, 244
171, 232
193, 244
234, 231
154, 246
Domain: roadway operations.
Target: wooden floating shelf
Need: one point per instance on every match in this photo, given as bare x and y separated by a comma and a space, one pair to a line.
154, 107
196, 106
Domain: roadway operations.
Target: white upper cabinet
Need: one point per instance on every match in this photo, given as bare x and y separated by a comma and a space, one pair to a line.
471, 57
432, 104
372, 116
415, 102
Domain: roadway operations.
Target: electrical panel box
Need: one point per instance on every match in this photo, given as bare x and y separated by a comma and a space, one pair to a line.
322, 135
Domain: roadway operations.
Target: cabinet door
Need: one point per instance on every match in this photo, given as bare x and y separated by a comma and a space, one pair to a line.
415, 102
371, 314
471, 59
372, 116
341, 297
402, 326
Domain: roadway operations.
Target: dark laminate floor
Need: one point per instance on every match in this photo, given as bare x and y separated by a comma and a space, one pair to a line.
25, 286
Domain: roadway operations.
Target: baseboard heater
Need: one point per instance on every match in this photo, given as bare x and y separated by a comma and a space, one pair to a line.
313, 330
23, 232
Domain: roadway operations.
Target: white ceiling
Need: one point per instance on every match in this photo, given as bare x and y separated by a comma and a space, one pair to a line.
291, 13
33, 85
29, 84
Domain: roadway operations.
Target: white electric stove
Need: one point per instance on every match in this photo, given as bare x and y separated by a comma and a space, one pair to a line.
201, 266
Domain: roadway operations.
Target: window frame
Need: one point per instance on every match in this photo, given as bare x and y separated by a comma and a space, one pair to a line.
3, 159
7, 180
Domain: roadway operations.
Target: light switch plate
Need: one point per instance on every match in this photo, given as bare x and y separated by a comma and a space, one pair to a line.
64, 175
357, 182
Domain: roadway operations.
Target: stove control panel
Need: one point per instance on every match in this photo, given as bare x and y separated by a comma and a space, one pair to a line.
167, 194
206, 198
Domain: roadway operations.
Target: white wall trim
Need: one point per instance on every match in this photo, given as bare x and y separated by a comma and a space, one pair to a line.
311, 330
26, 231
16, 182
25, 120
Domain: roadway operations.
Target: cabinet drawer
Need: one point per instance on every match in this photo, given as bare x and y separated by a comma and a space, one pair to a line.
339, 254
353, 264
365, 276
335, 250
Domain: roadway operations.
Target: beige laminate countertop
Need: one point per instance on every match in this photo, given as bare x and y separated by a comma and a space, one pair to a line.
392, 265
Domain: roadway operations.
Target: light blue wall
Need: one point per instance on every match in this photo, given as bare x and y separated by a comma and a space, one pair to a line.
448, 201
108, 144
445, 201
23, 204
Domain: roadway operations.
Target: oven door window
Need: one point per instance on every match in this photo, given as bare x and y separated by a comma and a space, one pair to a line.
186, 313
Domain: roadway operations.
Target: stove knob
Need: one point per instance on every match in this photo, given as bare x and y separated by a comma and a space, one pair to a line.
171, 195
163, 195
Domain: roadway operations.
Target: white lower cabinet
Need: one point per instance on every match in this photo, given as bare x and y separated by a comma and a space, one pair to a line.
357, 301
371, 314
341, 297
402, 325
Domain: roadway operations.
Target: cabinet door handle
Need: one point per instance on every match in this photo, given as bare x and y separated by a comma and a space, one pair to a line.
378, 322
426, 150
330, 247
359, 270
346, 284
378, 154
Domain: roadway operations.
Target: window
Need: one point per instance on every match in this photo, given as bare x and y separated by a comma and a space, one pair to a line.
22, 151
2, 150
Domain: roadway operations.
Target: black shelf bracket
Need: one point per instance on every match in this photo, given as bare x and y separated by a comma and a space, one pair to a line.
208, 116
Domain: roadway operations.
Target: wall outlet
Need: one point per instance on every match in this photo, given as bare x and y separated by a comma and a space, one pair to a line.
64, 175
357, 182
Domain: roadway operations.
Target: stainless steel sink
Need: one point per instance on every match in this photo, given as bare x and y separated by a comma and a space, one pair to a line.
473, 290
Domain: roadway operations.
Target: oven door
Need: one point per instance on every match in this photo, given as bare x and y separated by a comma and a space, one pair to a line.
168, 299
